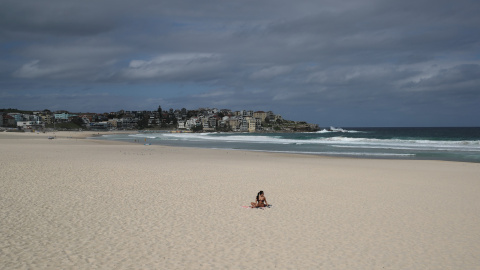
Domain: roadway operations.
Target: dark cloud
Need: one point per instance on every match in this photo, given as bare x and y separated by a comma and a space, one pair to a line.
368, 62
55, 17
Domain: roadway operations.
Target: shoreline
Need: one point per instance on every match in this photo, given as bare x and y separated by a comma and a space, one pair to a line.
91, 135
356, 154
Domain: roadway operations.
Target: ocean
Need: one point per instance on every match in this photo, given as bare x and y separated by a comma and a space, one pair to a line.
451, 144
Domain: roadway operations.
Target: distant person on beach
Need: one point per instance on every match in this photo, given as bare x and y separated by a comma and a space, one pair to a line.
261, 201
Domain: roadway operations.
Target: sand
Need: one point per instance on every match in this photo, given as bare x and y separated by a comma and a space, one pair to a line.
72, 203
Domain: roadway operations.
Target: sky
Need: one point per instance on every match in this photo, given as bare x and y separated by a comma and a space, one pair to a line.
350, 63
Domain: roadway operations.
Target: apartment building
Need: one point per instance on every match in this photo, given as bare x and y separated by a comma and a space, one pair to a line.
260, 115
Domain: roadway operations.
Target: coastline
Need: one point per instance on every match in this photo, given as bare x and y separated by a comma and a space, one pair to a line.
369, 143
76, 203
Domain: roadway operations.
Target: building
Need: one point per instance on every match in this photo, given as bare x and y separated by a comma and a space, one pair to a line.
212, 122
100, 126
192, 122
88, 117
126, 122
9, 121
260, 115
209, 124
113, 123
30, 124
63, 117
181, 124
271, 116
47, 118
16, 116
233, 123
252, 124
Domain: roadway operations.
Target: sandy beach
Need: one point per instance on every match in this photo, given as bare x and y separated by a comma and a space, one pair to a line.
74, 203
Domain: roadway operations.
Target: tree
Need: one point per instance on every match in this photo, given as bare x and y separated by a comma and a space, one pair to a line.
160, 113
225, 128
77, 121
198, 128
143, 123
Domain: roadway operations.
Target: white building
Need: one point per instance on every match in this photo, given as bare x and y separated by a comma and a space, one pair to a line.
181, 124
63, 116
30, 124
192, 122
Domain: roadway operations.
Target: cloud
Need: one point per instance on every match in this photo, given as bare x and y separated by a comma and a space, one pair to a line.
33, 70
172, 67
457, 79
357, 56
54, 17
87, 62
77, 102
270, 72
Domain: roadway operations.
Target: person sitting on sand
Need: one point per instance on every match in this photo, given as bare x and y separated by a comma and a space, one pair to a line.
261, 201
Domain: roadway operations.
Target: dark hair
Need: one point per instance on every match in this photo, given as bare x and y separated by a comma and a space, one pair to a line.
259, 193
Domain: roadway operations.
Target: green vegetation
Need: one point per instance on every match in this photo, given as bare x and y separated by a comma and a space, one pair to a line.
198, 128
224, 129
68, 126
11, 110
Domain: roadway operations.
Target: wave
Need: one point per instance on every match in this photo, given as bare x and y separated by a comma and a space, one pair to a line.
142, 136
328, 153
337, 141
399, 144
336, 130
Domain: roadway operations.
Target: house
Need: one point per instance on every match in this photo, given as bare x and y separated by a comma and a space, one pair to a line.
206, 125
100, 126
181, 124
16, 116
63, 117
192, 122
30, 124
9, 121
113, 123
271, 116
47, 118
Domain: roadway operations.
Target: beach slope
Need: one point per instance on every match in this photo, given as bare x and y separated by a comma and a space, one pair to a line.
72, 203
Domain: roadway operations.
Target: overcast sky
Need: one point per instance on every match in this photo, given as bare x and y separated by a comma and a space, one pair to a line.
341, 63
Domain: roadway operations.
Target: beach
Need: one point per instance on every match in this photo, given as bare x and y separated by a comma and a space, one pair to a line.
76, 203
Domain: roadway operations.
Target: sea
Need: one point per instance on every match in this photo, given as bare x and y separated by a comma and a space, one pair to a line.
432, 143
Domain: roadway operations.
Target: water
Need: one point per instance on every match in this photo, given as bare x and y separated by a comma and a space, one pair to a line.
452, 144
